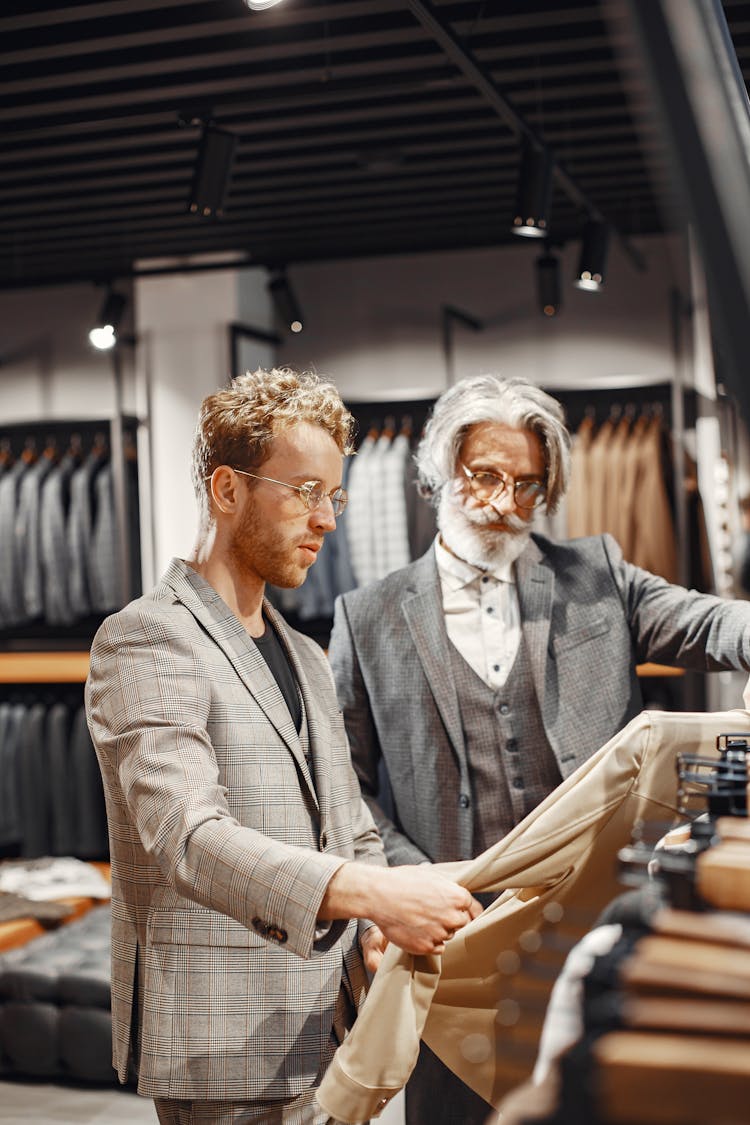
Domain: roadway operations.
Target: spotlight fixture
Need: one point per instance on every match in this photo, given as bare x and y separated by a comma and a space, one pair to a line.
261, 5
104, 333
285, 302
531, 217
593, 259
548, 289
213, 169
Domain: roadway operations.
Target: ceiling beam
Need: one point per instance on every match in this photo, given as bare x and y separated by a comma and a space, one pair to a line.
471, 68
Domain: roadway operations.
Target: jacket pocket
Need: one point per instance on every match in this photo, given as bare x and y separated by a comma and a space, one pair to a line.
588, 632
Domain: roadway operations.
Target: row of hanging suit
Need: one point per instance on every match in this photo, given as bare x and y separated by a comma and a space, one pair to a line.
51, 795
620, 484
59, 553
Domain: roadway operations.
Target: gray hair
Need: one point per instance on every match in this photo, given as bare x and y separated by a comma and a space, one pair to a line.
488, 398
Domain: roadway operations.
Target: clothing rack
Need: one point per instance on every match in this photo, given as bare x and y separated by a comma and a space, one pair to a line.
113, 440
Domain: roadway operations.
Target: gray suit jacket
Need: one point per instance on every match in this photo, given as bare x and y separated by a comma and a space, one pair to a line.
222, 847
588, 619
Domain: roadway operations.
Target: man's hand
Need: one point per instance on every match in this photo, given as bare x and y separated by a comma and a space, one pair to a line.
415, 907
372, 943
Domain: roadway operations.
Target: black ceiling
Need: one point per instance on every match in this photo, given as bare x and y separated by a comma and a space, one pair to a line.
363, 126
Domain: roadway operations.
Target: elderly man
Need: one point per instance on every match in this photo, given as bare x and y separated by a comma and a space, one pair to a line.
476, 678
242, 852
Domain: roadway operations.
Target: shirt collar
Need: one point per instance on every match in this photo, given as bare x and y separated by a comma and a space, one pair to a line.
456, 572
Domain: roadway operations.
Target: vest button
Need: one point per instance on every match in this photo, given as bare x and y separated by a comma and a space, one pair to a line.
464, 801
518, 783
512, 745
504, 708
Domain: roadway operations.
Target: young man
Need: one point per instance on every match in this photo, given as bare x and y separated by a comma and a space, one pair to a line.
242, 853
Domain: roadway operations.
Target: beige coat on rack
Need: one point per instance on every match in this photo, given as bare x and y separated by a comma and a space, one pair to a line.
555, 869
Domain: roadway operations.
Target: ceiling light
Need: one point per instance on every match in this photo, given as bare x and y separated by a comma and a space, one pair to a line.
261, 5
593, 259
548, 289
104, 333
531, 216
213, 169
285, 302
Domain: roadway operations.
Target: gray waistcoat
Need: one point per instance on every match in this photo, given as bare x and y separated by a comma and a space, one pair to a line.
511, 765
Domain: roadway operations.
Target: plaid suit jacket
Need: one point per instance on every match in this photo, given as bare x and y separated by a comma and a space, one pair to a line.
588, 619
222, 846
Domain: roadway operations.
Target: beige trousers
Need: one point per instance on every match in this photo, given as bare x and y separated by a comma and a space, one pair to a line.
553, 874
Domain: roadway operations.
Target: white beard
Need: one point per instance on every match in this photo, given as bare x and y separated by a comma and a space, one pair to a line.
466, 533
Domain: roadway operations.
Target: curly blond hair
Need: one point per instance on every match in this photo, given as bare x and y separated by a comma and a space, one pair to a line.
237, 425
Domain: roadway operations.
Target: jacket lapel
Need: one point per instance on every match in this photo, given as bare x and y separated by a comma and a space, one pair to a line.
212, 612
422, 608
535, 585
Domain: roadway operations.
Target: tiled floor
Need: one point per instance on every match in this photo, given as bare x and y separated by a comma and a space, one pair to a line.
48, 1103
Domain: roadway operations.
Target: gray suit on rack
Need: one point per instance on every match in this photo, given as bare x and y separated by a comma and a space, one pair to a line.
588, 618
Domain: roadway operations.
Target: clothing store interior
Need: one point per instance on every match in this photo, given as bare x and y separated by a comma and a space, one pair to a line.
396, 194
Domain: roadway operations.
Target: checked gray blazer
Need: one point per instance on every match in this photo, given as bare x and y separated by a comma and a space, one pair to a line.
222, 845
588, 619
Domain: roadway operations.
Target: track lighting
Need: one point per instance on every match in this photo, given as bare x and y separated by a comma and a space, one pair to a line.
531, 217
285, 302
593, 259
104, 333
213, 169
261, 5
548, 289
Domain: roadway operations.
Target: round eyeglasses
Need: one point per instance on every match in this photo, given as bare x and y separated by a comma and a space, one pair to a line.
486, 487
311, 492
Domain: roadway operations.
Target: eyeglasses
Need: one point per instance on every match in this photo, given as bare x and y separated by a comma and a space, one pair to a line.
312, 492
486, 487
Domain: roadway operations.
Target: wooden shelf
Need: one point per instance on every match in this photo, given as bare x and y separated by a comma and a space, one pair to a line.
43, 667
658, 670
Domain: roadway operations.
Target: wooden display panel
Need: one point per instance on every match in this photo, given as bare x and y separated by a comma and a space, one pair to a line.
43, 667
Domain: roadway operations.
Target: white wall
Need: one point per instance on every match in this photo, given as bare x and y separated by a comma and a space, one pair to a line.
48, 369
374, 326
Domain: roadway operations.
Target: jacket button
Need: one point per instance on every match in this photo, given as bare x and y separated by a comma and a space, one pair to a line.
518, 783
504, 708
464, 801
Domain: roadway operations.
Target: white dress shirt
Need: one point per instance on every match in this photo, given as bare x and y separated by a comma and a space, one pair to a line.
482, 615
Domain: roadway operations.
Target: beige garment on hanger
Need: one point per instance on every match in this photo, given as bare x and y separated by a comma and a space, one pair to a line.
654, 540
556, 869
579, 489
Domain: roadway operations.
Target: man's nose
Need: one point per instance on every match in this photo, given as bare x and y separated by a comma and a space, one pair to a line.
505, 502
322, 517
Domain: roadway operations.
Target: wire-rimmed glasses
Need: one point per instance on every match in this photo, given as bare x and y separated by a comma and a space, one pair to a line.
312, 492
486, 487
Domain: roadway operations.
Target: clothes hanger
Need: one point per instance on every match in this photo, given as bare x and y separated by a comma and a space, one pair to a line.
29, 455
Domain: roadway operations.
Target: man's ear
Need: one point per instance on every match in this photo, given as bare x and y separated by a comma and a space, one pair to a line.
224, 489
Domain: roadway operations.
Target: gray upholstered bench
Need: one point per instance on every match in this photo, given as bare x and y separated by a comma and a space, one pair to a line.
55, 1019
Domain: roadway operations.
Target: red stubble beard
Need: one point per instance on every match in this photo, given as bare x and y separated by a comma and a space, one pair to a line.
272, 554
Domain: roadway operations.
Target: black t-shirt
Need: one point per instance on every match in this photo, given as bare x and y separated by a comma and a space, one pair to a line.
274, 654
